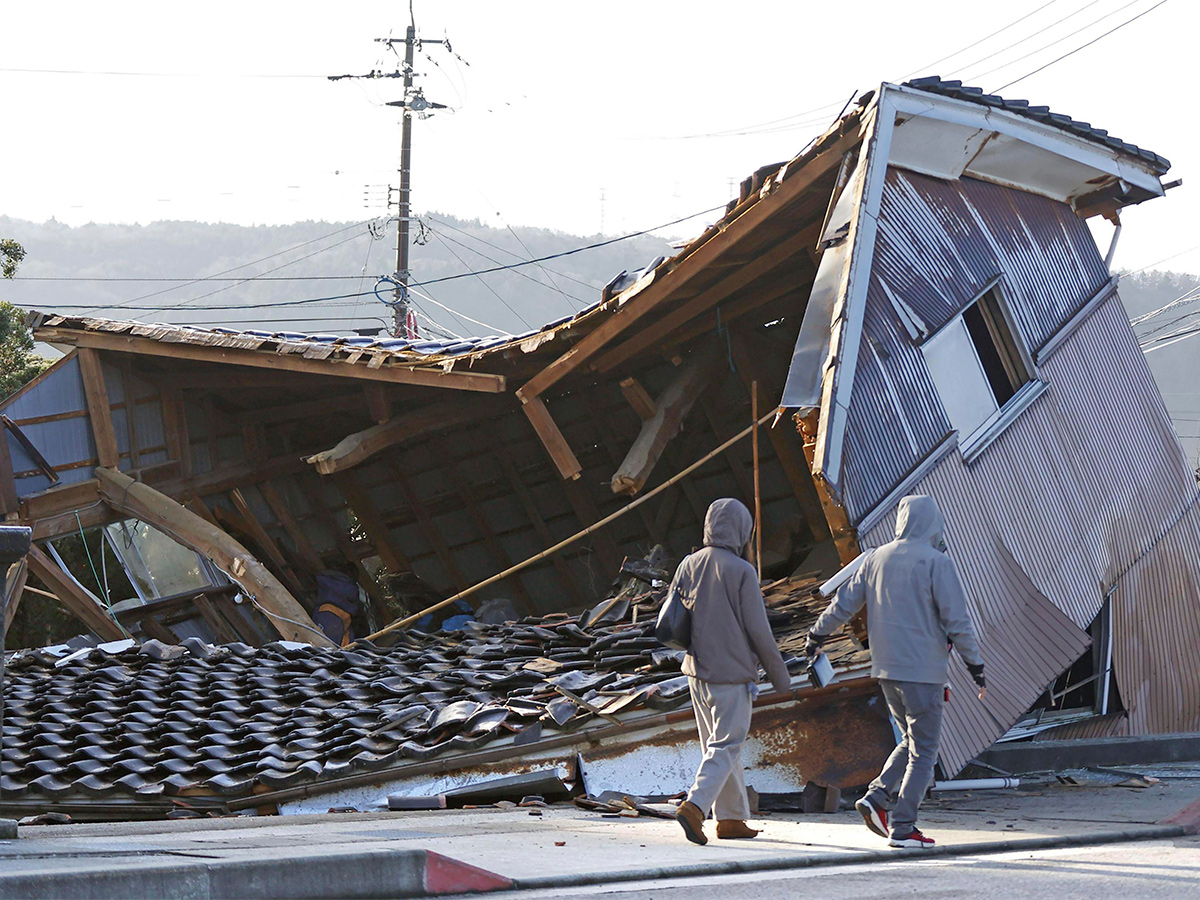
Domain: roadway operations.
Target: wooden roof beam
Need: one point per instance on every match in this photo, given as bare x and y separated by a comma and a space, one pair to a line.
389, 374
99, 410
552, 439
643, 298
671, 408
362, 445
282, 609
799, 243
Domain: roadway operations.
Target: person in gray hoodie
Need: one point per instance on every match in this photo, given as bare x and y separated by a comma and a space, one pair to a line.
730, 637
915, 610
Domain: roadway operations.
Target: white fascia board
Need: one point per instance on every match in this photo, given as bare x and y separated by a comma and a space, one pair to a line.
835, 406
914, 102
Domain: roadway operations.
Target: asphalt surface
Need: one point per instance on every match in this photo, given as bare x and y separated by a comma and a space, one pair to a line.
1139, 871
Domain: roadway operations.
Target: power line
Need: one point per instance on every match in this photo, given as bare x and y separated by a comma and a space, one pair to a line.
1026, 39
1082, 47
938, 62
1056, 41
530, 262
154, 74
445, 240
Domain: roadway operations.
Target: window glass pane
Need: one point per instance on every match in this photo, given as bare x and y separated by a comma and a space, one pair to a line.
961, 382
160, 566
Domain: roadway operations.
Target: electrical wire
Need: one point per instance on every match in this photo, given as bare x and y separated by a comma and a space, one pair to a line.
1026, 39
1012, 62
938, 62
493, 291
1081, 47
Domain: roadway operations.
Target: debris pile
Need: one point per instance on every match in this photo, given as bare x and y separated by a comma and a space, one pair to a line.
207, 724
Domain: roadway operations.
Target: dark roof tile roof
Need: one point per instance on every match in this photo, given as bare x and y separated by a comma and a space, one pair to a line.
134, 723
935, 85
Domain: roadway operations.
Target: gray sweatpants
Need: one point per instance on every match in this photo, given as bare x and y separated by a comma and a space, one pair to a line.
917, 709
723, 720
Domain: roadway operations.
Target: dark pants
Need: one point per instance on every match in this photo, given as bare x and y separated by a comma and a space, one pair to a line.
917, 709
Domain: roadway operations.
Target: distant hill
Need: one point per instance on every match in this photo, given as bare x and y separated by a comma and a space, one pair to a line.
511, 301
1176, 367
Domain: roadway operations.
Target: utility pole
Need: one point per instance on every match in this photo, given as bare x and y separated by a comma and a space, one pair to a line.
401, 326
403, 322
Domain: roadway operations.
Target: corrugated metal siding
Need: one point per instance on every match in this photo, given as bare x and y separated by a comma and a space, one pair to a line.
939, 244
61, 442
1088, 480
1026, 640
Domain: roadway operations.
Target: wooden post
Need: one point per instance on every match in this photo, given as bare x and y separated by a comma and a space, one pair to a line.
373, 523
259, 534
14, 587
78, 601
99, 411
272, 598
552, 438
758, 525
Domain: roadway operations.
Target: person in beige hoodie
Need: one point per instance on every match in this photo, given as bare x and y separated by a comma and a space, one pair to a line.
730, 638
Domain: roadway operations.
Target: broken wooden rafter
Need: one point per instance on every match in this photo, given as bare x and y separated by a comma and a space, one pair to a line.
733, 233
390, 374
309, 558
671, 408
136, 499
28, 446
638, 397
362, 445
99, 409
76, 599
552, 438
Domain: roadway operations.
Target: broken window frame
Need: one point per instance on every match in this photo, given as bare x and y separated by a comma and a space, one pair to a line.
1008, 372
213, 576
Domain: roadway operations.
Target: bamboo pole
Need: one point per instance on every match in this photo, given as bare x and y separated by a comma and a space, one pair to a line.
405, 622
757, 491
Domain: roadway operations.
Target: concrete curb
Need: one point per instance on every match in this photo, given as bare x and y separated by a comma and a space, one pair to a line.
364, 874
738, 867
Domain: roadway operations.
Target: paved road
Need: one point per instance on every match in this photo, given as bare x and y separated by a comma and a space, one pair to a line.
1136, 871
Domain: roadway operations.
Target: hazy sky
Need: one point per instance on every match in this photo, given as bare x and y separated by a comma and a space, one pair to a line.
610, 117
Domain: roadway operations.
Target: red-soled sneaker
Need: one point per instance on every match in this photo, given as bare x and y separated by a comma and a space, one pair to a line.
875, 817
914, 839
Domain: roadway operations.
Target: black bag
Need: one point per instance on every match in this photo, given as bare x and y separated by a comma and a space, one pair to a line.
674, 626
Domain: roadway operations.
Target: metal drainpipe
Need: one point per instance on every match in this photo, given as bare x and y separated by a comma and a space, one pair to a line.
14, 545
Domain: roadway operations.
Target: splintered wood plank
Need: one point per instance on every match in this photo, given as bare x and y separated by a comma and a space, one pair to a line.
284, 612
99, 411
75, 599
309, 557
539, 524
552, 439
260, 535
609, 441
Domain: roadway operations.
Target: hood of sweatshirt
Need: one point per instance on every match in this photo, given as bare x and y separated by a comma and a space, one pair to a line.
727, 524
919, 519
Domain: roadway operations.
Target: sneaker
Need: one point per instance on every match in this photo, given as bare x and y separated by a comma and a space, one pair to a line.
874, 817
914, 839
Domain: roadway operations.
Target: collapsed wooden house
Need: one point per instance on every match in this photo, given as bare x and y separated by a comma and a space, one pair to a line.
919, 287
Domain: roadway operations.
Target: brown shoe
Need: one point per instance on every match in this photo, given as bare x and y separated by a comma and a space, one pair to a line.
692, 820
735, 828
